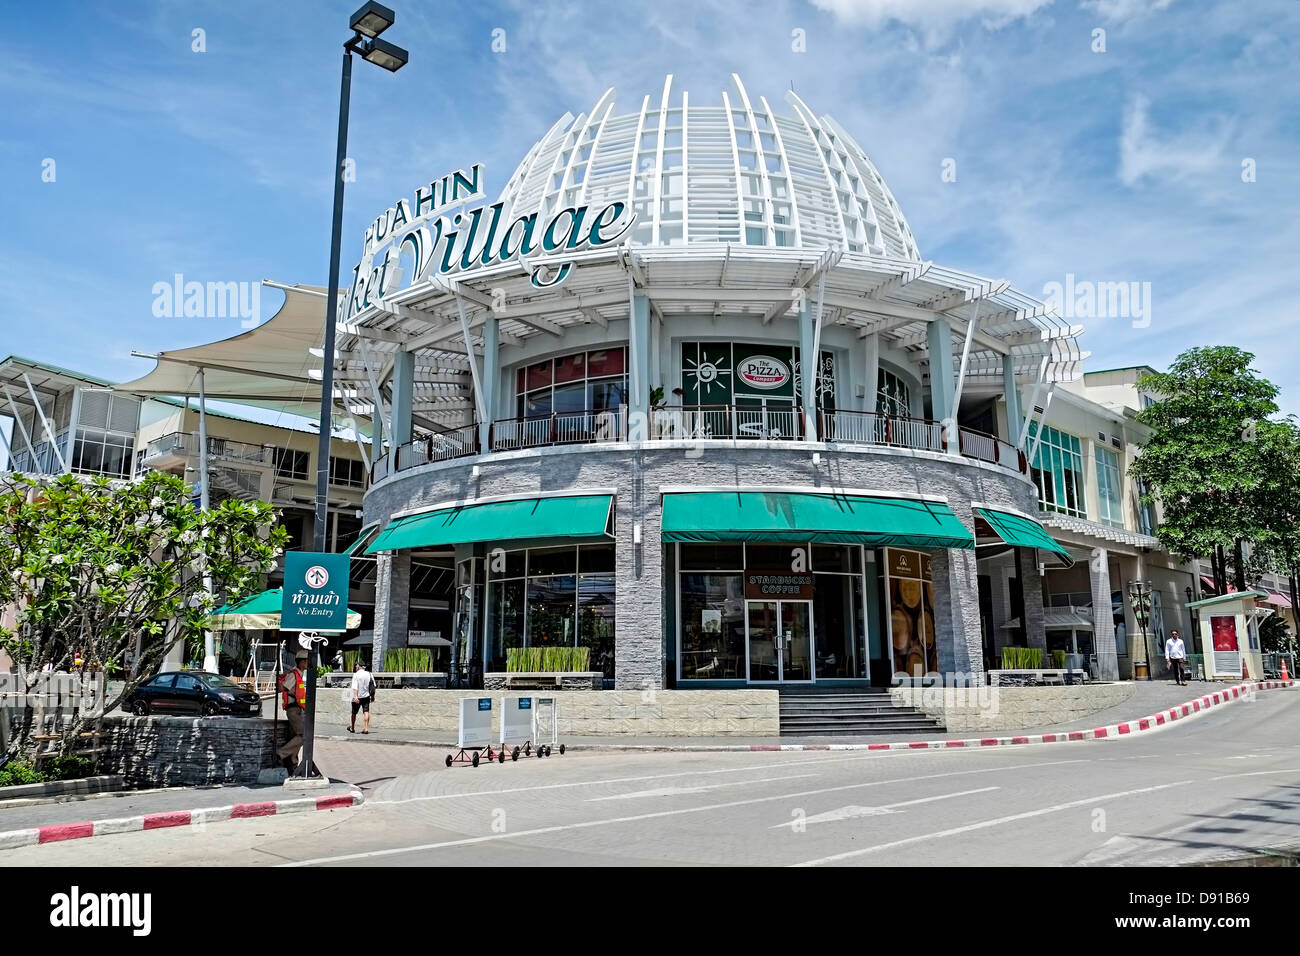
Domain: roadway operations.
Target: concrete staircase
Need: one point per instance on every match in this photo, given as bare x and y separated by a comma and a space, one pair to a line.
845, 713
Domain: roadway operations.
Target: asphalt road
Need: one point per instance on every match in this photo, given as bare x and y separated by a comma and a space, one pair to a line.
1200, 790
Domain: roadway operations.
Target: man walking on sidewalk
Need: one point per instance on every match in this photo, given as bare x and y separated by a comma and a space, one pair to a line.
1176, 656
293, 695
363, 692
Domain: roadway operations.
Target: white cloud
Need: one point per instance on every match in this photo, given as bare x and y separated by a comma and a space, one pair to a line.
1119, 11
1143, 153
935, 19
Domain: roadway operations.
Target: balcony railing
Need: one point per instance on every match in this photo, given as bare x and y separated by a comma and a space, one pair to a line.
727, 422
701, 423
587, 426
187, 443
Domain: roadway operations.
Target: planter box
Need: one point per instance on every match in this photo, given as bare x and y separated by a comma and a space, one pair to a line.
544, 680
392, 679
1025, 677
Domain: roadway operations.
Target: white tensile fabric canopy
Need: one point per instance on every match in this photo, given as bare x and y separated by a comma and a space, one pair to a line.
268, 367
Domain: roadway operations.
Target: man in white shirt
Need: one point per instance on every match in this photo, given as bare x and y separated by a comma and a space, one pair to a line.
1175, 656
362, 694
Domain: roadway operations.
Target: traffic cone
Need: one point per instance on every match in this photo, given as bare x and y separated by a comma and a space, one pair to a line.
1285, 675
1245, 675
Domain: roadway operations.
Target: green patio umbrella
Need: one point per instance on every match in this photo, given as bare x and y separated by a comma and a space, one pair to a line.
261, 612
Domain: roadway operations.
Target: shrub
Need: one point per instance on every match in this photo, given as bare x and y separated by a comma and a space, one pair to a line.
16, 772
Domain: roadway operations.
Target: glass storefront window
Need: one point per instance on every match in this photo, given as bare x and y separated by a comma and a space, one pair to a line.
552, 561
505, 621
596, 619
594, 380
713, 626
551, 611
550, 597
844, 559
811, 633
713, 557
839, 626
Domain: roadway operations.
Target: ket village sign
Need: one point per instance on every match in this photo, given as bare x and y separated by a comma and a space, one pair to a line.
440, 242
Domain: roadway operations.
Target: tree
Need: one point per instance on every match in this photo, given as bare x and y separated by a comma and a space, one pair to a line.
1278, 502
91, 564
1202, 461
1275, 637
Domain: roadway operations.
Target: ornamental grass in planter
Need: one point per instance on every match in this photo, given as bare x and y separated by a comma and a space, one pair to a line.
547, 660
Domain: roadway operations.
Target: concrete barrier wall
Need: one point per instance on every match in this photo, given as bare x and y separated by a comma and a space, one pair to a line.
978, 709
607, 713
188, 751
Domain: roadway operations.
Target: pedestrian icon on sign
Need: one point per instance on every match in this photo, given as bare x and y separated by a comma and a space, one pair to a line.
317, 576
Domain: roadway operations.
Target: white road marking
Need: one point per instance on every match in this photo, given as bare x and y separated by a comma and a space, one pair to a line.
678, 791
853, 812
661, 814
1113, 849
793, 762
1256, 773
985, 824
1042, 811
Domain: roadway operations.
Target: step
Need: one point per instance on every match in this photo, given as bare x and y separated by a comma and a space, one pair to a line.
879, 721
860, 731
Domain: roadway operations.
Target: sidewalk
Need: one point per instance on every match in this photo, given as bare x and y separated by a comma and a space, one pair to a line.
1148, 700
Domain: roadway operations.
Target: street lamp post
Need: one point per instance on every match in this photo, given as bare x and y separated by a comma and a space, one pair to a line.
1140, 597
367, 23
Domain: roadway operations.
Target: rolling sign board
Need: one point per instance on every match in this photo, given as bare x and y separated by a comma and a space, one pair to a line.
516, 720
475, 722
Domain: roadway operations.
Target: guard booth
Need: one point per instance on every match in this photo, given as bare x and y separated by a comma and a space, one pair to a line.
1229, 634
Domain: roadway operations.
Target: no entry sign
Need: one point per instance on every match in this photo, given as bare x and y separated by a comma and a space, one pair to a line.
315, 592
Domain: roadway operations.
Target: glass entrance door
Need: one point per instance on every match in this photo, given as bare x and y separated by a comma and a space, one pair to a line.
779, 640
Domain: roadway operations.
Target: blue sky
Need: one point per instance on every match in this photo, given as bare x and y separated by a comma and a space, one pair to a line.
1123, 165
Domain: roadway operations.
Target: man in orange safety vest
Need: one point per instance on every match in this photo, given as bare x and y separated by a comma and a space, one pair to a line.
293, 696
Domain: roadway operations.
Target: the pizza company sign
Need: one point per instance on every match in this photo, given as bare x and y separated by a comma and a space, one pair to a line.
763, 371
439, 242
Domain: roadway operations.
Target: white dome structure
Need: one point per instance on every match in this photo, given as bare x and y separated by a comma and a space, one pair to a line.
738, 172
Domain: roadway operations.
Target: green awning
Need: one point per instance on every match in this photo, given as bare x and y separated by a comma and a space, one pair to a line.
261, 612
798, 516
1022, 532
573, 516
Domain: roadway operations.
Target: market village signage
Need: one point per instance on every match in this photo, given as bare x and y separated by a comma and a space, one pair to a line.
440, 242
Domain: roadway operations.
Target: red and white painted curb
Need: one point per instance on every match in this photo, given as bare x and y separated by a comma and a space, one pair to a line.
1193, 708
57, 833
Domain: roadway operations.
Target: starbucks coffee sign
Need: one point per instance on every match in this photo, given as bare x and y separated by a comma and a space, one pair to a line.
437, 241
763, 371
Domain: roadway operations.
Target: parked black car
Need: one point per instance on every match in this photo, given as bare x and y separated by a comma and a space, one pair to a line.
192, 692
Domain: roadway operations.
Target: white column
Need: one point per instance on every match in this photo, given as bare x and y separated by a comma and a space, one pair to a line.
491, 377
210, 663
638, 335
1103, 623
871, 370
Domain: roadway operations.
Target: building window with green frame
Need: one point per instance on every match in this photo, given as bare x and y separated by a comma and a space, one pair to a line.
1109, 501
1057, 471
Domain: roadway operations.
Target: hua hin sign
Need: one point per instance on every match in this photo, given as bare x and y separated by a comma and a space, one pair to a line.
437, 241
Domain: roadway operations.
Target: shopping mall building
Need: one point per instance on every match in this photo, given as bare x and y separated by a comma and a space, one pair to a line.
687, 394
